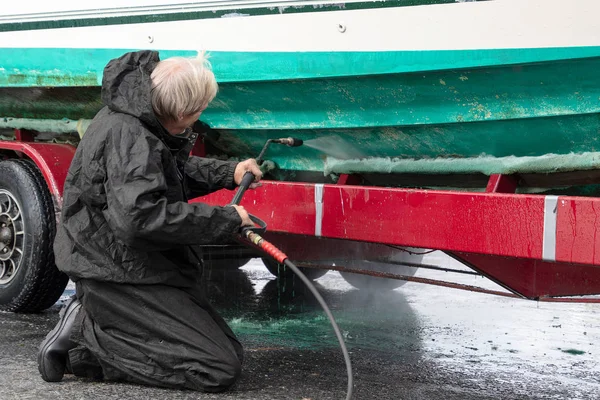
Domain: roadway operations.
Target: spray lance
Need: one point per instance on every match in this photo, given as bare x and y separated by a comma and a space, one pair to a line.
249, 178
251, 236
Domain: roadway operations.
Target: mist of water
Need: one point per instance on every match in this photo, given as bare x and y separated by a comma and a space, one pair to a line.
335, 146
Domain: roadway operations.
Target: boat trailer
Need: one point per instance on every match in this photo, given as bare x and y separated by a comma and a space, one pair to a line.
539, 247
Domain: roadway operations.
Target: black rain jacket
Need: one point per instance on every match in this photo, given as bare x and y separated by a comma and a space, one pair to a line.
125, 215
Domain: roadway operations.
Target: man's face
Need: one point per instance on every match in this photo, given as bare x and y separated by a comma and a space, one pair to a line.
185, 122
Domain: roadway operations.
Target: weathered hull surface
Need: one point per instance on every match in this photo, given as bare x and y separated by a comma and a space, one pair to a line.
412, 86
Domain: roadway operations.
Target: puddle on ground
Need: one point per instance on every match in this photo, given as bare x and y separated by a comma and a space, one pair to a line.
286, 313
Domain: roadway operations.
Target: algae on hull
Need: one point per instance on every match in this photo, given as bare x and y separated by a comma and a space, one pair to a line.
487, 165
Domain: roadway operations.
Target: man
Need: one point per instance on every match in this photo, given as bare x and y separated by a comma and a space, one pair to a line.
139, 314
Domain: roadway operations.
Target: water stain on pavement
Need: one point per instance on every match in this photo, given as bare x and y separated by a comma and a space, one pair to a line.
286, 312
417, 342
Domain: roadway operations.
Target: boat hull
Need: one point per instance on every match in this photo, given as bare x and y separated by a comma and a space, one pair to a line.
524, 98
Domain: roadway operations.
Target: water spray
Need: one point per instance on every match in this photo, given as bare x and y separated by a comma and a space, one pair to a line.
251, 236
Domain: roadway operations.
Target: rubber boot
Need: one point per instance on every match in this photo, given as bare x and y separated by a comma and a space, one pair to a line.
53, 353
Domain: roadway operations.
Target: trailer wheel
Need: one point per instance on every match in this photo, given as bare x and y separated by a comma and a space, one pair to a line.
366, 282
29, 279
282, 272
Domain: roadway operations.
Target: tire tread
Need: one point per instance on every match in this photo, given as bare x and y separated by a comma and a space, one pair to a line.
46, 283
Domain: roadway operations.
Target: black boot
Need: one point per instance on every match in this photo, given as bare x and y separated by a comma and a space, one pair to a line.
53, 353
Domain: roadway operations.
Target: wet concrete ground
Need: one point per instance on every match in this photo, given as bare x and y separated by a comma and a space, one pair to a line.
416, 342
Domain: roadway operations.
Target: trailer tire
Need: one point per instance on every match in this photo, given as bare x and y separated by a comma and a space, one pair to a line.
29, 279
281, 272
366, 282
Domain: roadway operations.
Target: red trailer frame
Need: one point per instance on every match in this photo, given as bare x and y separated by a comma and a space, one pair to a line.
52, 159
537, 246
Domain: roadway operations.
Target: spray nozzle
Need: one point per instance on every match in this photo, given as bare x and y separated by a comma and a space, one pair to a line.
290, 141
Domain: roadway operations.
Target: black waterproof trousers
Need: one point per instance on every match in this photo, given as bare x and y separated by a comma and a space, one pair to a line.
153, 335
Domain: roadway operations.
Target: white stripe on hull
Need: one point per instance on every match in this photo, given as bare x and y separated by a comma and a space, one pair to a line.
498, 24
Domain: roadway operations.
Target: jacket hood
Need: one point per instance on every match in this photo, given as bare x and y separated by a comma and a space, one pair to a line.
126, 84
126, 88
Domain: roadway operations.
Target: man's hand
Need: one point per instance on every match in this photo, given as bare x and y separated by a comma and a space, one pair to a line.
246, 221
247, 166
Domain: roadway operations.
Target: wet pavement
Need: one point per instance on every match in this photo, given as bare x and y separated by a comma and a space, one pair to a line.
417, 342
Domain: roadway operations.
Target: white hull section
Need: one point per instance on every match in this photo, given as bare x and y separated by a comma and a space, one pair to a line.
498, 24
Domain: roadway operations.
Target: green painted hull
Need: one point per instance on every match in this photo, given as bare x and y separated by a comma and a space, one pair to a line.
412, 117
529, 110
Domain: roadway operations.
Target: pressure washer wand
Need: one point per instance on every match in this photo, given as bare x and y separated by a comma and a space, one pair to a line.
244, 185
248, 177
289, 141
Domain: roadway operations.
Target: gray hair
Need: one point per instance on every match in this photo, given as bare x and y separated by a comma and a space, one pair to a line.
182, 86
